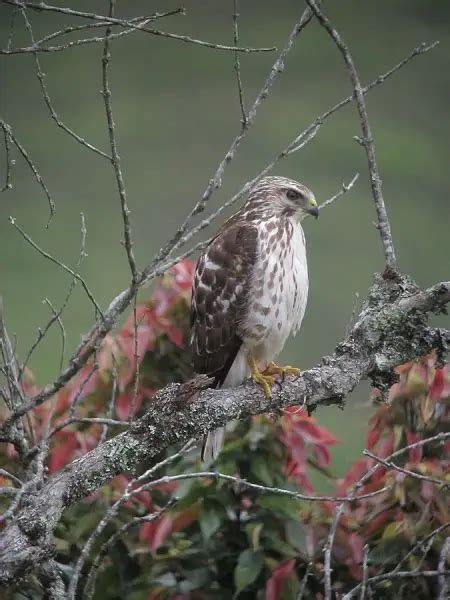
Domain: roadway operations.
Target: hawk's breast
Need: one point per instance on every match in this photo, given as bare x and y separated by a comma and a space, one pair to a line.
279, 288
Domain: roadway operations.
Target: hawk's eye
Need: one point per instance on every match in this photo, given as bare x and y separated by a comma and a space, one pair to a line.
293, 194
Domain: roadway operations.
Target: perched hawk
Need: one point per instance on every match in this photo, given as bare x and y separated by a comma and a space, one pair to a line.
250, 290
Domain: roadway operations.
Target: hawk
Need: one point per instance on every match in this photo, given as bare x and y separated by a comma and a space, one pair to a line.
250, 290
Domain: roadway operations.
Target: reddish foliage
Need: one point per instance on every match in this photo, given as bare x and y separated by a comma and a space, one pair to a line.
275, 584
304, 439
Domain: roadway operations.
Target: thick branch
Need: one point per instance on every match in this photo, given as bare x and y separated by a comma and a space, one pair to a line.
390, 329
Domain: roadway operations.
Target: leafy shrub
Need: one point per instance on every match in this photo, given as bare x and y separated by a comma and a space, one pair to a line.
206, 536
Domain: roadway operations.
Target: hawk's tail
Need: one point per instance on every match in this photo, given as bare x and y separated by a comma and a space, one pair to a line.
212, 445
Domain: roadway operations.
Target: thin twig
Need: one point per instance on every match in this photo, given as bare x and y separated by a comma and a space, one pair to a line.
362, 595
42, 332
216, 181
367, 141
237, 66
112, 400
391, 465
136, 359
38, 48
41, 78
129, 24
298, 142
107, 517
90, 578
32, 166
443, 578
56, 261
8, 160
328, 549
115, 158
345, 188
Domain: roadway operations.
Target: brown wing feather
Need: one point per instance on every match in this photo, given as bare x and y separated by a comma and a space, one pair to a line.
220, 297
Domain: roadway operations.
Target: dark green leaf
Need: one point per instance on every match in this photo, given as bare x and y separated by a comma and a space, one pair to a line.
247, 569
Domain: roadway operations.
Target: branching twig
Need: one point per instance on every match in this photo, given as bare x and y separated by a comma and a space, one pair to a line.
42, 6
367, 141
56, 261
390, 465
47, 99
38, 46
237, 66
42, 332
30, 163
216, 180
115, 159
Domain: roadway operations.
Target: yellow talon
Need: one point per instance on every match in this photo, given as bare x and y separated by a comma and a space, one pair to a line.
274, 369
264, 380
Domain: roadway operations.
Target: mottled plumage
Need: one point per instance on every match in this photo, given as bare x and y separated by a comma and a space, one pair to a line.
250, 287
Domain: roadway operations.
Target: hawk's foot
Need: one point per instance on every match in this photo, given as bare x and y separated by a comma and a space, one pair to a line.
265, 380
274, 369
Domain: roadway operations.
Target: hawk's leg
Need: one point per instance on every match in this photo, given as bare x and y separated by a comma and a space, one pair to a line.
274, 369
264, 380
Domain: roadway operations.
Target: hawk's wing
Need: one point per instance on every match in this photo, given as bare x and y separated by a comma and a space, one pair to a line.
220, 299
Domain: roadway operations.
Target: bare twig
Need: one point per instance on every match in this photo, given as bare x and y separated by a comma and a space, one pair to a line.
47, 99
390, 465
38, 46
128, 241
328, 549
444, 579
396, 575
56, 261
42, 332
89, 587
32, 166
42, 6
8, 160
216, 181
109, 515
112, 400
237, 66
297, 143
345, 188
367, 141
362, 595
57, 318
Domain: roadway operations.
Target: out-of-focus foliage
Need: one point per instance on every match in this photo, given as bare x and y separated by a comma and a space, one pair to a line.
225, 540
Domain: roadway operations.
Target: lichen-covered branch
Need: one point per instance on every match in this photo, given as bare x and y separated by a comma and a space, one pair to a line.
391, 328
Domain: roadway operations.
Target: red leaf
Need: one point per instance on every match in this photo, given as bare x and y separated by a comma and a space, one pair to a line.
437, 387
274, 585
66, 444
156, 532
415, 454
124, 405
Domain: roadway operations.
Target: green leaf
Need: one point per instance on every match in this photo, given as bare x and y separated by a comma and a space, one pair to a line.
295, 535
283, 506
247, 569
260, 468
209, 522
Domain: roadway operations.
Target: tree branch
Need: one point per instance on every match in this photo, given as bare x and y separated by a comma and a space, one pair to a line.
367, 141
391, 329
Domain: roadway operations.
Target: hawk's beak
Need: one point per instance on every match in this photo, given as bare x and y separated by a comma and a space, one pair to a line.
313, 209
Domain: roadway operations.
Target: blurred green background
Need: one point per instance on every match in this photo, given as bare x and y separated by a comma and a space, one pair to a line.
176, 111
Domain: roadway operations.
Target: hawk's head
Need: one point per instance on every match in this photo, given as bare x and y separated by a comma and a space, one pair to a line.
288, 196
